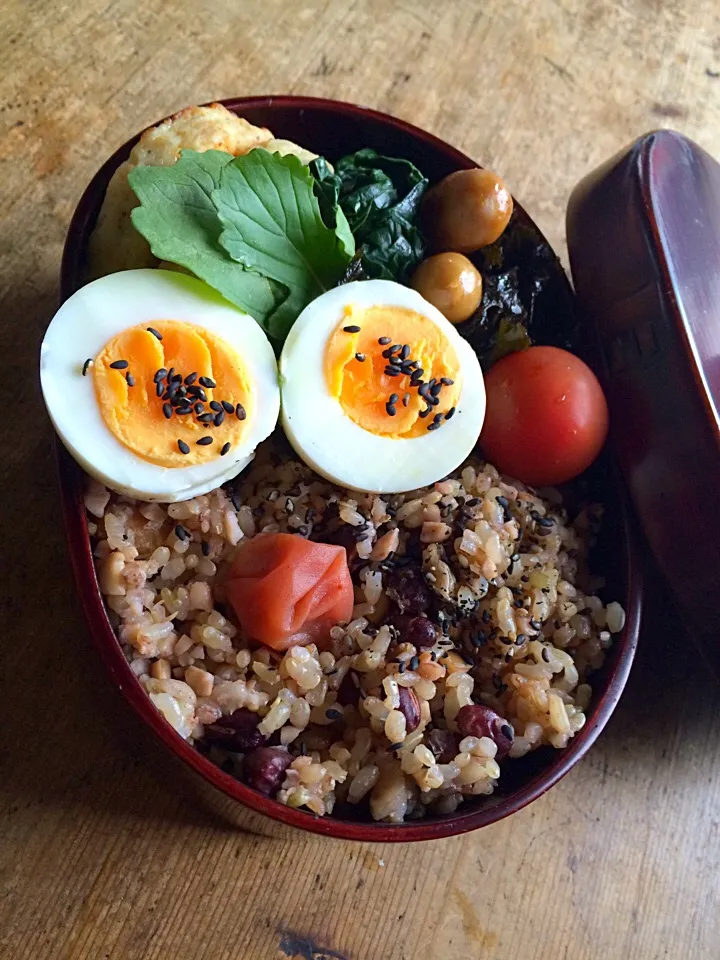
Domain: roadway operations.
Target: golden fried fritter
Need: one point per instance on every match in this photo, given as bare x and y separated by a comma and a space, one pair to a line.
115, 244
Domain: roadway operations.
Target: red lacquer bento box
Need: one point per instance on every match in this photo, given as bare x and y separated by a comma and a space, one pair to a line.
333, 129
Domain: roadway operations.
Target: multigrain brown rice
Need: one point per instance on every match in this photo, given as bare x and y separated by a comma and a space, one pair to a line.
474, 630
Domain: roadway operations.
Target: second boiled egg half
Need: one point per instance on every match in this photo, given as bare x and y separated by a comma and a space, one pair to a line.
379, 391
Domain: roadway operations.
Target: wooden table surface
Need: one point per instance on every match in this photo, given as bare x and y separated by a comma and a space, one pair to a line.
101, 856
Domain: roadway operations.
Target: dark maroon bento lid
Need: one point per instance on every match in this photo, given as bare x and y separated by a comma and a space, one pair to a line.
644, 241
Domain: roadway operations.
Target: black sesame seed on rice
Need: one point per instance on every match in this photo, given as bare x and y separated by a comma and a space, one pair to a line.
333, 714
180, 532
205, 547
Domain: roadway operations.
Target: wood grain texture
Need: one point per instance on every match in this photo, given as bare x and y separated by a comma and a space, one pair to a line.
102, 857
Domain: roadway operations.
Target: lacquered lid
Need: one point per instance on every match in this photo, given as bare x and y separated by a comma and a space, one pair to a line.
644, 240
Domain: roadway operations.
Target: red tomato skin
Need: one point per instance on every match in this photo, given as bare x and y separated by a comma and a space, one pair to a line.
547, 417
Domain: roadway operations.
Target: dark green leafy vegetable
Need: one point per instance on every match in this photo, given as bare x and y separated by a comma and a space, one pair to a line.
380, 197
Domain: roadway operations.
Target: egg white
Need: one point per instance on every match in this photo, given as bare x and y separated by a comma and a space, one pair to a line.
103, 309
333, 444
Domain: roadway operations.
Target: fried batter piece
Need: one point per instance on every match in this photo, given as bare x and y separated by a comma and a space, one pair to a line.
115, 244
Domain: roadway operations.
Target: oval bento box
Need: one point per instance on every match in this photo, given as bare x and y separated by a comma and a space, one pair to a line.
333, 129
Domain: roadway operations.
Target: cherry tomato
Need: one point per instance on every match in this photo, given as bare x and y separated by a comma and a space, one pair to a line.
547, 416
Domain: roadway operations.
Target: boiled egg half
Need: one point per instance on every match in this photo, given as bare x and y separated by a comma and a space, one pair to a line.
380, 393
158, 386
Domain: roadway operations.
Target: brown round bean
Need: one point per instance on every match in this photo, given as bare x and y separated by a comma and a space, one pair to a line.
475, 720
264, 768
467, 210
237, 732
451, 283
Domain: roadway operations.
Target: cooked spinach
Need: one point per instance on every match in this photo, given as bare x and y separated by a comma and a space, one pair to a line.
380, 197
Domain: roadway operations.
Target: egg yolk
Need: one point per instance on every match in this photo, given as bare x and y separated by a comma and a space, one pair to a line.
132, 410
373, 382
